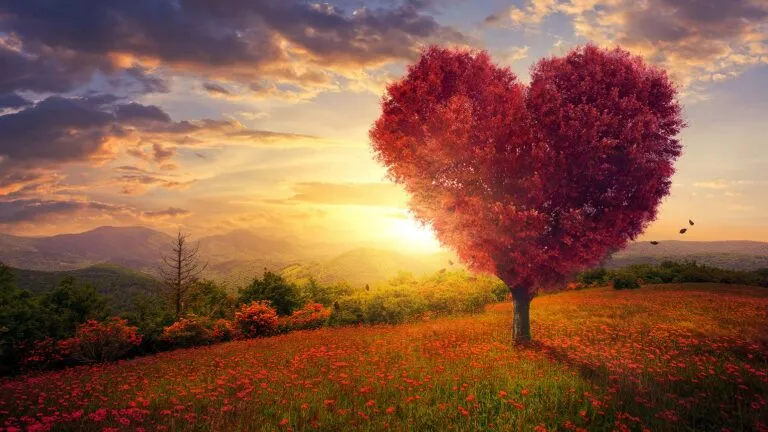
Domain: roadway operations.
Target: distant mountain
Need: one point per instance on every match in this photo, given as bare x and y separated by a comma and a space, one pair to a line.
133, 247
735, 255
237, 257
122, 285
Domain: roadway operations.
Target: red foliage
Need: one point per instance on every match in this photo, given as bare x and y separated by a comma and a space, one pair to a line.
96, 341
531, 184
188, 331
223, 330
256, 319
311, 316
44, 353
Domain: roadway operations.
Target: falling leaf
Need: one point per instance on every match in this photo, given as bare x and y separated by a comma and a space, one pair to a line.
690, 222
683, 231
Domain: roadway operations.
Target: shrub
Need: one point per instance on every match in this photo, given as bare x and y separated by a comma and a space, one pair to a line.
188, 331
625, 280
272, 287
311, 316
102, 341
223, 330
256, 319
593, 277
42, 353
347, 311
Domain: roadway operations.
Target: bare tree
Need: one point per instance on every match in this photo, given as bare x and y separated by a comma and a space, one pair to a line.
181, 270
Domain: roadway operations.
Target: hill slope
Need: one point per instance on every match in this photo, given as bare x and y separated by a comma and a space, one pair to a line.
120, 284
661, 358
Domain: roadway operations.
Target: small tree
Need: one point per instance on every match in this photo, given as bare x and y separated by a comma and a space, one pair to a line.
272, 287
531, 183
181, 269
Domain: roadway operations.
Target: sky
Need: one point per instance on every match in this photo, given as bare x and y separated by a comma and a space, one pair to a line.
215, 115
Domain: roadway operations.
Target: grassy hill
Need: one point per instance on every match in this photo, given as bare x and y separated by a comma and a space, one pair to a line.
122, 285
661, 358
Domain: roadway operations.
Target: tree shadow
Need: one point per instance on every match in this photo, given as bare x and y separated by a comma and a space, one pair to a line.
658, 401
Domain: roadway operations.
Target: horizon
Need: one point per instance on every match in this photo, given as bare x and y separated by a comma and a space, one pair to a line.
209, 133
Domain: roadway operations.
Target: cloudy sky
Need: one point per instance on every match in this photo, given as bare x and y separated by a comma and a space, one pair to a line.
214, 115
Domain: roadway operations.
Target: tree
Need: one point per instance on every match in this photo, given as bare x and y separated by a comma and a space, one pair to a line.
208, 299
181, 270
531, 183
272, 287
71, 304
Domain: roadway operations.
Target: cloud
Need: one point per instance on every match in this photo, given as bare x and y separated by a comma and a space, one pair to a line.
27, 210
170, 212
57, 129
726, 184
13, 101
216, 89
713, 184
698, 42
512, 55
57, 46
63, 130
362, 194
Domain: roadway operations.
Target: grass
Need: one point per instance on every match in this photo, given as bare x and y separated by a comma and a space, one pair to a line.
660, 358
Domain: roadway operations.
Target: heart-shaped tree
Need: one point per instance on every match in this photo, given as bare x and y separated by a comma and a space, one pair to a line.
531, 183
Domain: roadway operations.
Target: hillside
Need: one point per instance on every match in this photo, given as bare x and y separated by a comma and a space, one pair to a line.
120, 284
660, 358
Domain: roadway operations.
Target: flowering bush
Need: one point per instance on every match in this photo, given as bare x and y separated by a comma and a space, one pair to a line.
188, 331
43, 353
223, 330
96, 341
311, 316
256, 319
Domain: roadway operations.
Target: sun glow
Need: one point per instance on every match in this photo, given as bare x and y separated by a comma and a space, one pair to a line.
408, 233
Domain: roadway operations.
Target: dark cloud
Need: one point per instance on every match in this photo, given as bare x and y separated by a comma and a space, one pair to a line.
216, 89
162, 154
135, 113
13, 101
56, 129
27, 210
170, 212
59, 45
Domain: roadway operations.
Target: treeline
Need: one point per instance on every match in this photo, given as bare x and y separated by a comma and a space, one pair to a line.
634, 276
74, 324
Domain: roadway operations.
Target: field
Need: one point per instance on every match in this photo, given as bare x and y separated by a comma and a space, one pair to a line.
664, 357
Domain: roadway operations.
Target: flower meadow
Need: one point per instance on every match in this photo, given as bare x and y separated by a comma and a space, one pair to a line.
659, 358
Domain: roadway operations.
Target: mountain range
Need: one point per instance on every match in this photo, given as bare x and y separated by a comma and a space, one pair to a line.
237, 257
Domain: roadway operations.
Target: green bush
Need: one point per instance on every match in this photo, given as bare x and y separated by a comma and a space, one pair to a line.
406, 298
282, 295
625, 280
593, 277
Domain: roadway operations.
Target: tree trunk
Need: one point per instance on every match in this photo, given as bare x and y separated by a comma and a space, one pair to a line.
521, 322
